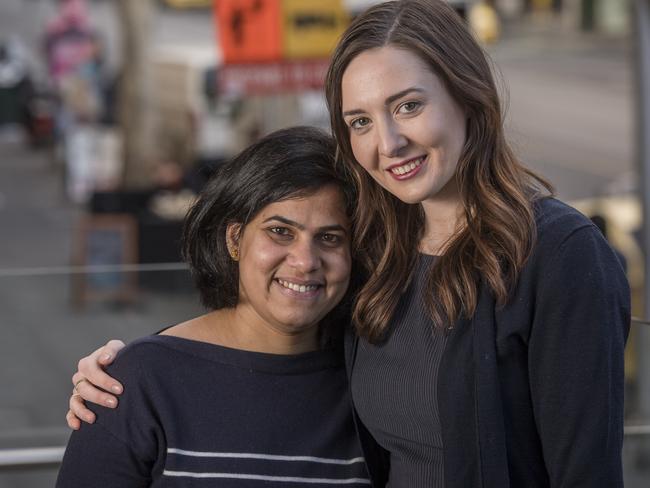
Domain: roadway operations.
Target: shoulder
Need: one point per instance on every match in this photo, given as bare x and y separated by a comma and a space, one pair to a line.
568, 245
556, 222
561, 230
143, 353
143, 367
143, 347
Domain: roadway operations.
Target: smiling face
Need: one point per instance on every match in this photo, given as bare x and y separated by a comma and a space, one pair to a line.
405, 129
294, 263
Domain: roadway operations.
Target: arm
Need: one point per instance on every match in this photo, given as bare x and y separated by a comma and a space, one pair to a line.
581, 322
92, 384
122, 447
95, 457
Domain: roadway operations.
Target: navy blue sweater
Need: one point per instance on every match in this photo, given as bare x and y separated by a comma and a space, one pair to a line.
197, 414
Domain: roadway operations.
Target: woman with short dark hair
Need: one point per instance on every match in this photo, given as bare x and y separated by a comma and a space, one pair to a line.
255, 390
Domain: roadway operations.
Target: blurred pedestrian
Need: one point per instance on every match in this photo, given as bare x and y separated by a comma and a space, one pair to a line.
16, 86
75, 55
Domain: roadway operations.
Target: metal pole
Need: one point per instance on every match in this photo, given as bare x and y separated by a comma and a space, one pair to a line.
642, 18
30, 458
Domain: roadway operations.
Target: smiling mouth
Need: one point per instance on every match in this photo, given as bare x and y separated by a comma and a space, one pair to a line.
298, 288
408, 167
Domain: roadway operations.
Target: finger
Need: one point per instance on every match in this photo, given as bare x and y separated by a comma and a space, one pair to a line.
92, 372
73, 422
109, 351
78, 409
88, 392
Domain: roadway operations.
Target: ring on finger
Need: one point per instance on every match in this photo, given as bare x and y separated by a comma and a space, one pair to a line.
76, 385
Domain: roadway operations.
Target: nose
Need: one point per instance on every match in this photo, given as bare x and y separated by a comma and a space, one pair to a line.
390, 139
304, 256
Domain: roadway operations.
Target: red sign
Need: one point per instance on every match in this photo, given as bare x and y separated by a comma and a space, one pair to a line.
272, 78
249, 30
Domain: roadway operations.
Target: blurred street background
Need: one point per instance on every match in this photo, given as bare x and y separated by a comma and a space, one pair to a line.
113, 113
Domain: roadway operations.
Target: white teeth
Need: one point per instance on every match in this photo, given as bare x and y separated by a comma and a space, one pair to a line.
408, 167
296, 287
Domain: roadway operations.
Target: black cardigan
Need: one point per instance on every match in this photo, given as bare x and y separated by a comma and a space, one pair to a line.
531, 394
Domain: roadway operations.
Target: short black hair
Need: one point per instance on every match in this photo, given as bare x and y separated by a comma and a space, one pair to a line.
288, 163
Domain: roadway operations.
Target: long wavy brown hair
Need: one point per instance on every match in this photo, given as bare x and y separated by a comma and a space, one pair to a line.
496, 191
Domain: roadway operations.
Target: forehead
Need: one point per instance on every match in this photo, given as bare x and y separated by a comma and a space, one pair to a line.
325, 206
382, 72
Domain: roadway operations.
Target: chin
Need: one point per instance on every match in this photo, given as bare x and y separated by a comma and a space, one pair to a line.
411, 198
298, 324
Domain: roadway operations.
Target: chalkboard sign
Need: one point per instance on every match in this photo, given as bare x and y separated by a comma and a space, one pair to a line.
105, 244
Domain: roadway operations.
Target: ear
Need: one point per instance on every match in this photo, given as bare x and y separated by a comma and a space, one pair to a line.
233, 233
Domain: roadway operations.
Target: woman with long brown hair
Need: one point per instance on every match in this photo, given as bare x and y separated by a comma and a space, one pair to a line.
491, 320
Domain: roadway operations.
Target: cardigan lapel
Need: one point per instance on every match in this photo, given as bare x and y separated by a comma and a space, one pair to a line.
489, 408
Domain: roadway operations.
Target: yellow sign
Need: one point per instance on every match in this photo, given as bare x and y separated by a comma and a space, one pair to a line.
188, 3
311, 27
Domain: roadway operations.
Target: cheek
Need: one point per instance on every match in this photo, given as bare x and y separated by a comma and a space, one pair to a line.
259, 257
456, 129
360, 151
340, 266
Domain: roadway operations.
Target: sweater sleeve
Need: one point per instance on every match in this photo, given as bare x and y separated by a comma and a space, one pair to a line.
95, 457
581, 322
121, 448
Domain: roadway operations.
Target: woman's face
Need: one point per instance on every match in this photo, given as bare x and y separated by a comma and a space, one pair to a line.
294, 262
405, 129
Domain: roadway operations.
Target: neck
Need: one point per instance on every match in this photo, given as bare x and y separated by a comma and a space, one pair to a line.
242, 331
231, 328
443, 217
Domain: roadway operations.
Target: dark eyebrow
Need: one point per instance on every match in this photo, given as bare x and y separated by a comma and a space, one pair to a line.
330, 228
284, 220
388, 100
401, 94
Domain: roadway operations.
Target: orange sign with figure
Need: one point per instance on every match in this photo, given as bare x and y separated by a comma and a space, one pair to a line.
249, 30
273, 30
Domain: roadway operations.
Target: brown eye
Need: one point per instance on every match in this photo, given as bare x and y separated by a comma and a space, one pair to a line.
331, 239
280, 232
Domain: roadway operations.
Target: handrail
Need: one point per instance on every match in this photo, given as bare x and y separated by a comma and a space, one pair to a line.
636, 430
638, 321
94, 269
31, 457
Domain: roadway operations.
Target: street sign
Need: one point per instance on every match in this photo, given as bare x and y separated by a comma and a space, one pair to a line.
271, 78
272, 30
311, 28
249, 30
